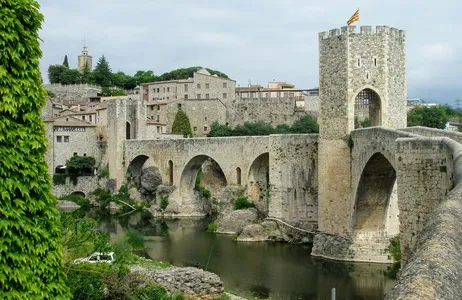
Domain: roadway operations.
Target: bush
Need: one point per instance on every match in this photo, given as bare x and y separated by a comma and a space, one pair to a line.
395, 249
80, 164
59, 179
163, 202
79, 200
31, 259
103, 197
212, 227
86, 280
242, 202
181, 124
104, 173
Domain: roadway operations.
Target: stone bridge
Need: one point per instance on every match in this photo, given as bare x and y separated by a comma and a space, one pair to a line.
280, 170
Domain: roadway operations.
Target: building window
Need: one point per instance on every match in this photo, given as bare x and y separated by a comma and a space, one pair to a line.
158, 129
359, 62
205, 128
205, 118
157, 118
207, 85
186, 96
163, 89
66, 139
207, 96
179, 105
84, 154
225, 85
152, 107
83, 118
168, 97
375, 62
195, 128
185, 87
158, 107
198, 85
90, 117
75, 153
225, 95
67, 119
158, 90
198, 96
59, 139
154, 90
168, 89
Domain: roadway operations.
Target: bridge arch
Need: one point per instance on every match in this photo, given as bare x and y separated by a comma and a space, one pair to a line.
258, 178
189, 175
136, 166
376, 202
368, 104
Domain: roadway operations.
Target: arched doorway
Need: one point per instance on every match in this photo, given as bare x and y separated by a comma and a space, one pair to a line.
79, 193
368, 109
127, 130
376, 205
136, 167
60, 169
258, 188
201, 172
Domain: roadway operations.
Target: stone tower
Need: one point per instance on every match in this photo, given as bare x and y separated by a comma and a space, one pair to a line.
85, 59
358, 72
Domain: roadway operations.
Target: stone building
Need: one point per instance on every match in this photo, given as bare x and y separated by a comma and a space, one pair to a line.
85, 60
202, 85
364, 69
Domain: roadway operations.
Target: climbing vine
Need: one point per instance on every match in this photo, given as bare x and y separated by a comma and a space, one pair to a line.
30, 244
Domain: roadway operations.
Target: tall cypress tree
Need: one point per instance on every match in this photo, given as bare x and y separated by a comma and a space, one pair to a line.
66, 62
30, 243
181, 124
102, 73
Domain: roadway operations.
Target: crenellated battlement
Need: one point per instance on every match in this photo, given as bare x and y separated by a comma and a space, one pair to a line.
363, 30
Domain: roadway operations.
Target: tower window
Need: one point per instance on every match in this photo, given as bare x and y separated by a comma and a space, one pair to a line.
359, 62
375, 62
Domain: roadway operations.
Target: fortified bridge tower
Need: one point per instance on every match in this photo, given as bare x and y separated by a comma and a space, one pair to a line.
360, 74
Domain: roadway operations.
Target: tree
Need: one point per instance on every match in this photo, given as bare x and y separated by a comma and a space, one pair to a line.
55, 73
31, 252
66, 62
87, 75
306, 124
102, 73
79, 164
434, 117
71, 76
218, 130
181, 124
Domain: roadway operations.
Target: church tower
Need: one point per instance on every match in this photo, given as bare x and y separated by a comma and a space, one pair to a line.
84, 59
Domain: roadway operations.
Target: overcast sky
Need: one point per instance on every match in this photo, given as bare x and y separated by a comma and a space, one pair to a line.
256, 40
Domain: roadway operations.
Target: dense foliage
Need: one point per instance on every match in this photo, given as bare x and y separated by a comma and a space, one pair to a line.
306, 124
103, 76
30, 243
435, 116
66, 62
242, 202
80, 164
181, 124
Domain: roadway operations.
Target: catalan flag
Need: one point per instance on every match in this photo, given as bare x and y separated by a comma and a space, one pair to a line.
354, 18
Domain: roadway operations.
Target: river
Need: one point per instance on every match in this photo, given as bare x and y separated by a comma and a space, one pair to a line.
259, 269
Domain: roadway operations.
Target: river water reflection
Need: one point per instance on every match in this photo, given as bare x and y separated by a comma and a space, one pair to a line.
276, 270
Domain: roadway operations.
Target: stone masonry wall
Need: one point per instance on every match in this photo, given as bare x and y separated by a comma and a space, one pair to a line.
434, 268
294, 177
276, 110
425, 176
73, 91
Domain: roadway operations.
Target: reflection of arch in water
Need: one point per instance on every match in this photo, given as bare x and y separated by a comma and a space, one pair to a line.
259, 178
376, 206
189, 175
368, 105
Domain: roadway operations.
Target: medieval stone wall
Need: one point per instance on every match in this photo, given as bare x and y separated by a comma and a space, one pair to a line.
73, 91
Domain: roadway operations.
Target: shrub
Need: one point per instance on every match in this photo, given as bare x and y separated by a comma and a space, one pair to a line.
181, 124
212, 227
86, 280
59, 179
163, 202
242, 202
80, 164
31, 259
395, 249
103, 197
79, 200
104, 173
